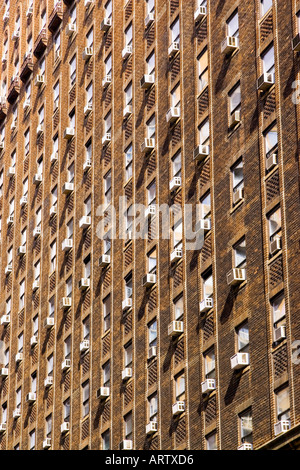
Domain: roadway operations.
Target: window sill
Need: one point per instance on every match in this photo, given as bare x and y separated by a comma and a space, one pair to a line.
233, 209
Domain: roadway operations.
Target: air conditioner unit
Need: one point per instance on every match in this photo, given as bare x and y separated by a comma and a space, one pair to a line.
84, 283
204, 224
39, 130
26, 105
235, 119
206, 304
70, 29
38, 178
13, 125
201, 152
148, 145
176, 255
106, 81
30, 397
102, 393
88, 3
3, 100
84, 345
8, 269
39, 80
85, 222
149, 280
236, 276
296, 43
21, 250
67, 244
173, 114
87, 53
126, 373
245, 446
105, 24
3, 372
178, 408
229, 45
53, 210
175, 328
271, 161
275, 245
35, 285
152, 352
69, 132
54, 157
238, 196
173, 49
126, 445
65, 427
87, 109
29, 12
47, 443
149, 19
2, 427
6, 16
127, 111
282, 426
265, 81
48, 322
239, 360
19, 357
56, 56
87, 164
208, 386
106, 138
5, 320
151, 210
126, 304
10, 220
66, 364
199, 14
126, 52
67, 188
1, 144
11, 171
65, 302
55, 104
104, 260
279, 333
48, 381
175, 183
4, 59
151, 428
36, 231
33, 340
17, 413
147, 81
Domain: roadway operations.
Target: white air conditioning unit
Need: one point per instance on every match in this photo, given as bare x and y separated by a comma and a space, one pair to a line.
8, 268
239, 360
245, 446
87, 53
236, 276
126, 444
200, 14
66, 364
38, 178
151, 428
39, 80
53, 210
147, 81
238, 196
265, 81
149, 19
279, 333
88, 3
13, 125
87, 164
56, 57
201, 152
48, 381
84, 283
204, 224
84, 345
19, 357
235, 119
67, 244
54, 157
48, 322
106, 138
70, 29
175, 328
229, 45
47, 443
29, 12
126, 52
275, 245
148, 145
178, 408
271, 161
282, 426
87, 109
173, 49
209, 385
106, 81
10, 220
15, 35
39, 130
175, 183
1, 144
36, 231
69, 132
67, 188
35, 285
105, 24
127, 304
151, 210
11, 171
176, 255
5, 320
4, 59
152, 352
149, 280
3, 100
126, 373
16, 413
85, 222
26, 105
64, 427
6, 16
102, 393
104, 260
3, 372
296, 43
206, 304
65, 302
33, 340
127, 111
31, 397
173, 114
21, 250
2, 427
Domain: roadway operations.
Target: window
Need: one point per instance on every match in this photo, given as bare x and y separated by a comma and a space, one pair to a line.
39, 165
1, 183
149, 6
234, 97
20, 342
29, 44
271, 140
108, 9
87, 267
42, 66
6, 358
37, 270
28, 91
150, 64
150, 126
56, 95
176, 164
151, 258
18, 397
283, 404
27, 142
237, 176
67, 347
205, 202
54, 196
207, 285
265, 6
178, 309
22, 294
128, 355
85, 387
152, 407
180, 387
33, 382
242, 336
107, 188
151, 193
23, 236
245, 421
56, 40
51, 307
128, 94
89, 94
69, 287
175, 97
107, 123
106, 374
129, 218
53, 256
240, 254
204, 133
106, 440
128, 286
202, 70
4, 413
73, 70
32, 440
90, 38
50, 366
268, 60
152, 333
128, 162
66, 408
128, 426
73, 15
107, 65
48, 425
274, 221
88, 206
35, 325
233, 25
177, 235
55, 143
128, 35
43, 19
71, 173
175, 31
70, 229
88, 150
13, 158
86, 328
106, 313
278, 310
72, 119
38, 217
211, 441
210, 364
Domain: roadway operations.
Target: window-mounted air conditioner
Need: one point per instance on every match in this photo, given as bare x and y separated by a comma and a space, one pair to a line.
70, 29
3, 372
106, 138
127, 111
8, 268
88, 3
149, 19
48, 381
67, 244
151, 428
67, 188
147, 81
271, 161
126, 444
29, 12
173, 114
87, 164
235, 119
201, 152
229, 45
152, 352
245, 446
206, 304
127, 304
204, 224
10, 220
126, 52
236, 276
175, 328
200, 14
87, 53
279, 333
126, 373
21, 250
65, 427
178, 408
66, 364
102, 393
106, 81
104, 260
5, 320
88, 109
85, 222
26, 105
265, 81
48, 322
2, 427
37, 179
105, 24
208, 386
238, 196
39, 130
33, 340
39, 80
35, 285
174, 48
149, 280
150, 210
148, 145
11, 171
16, 413
176, 255
19, 357
84, 345
47, 443
239, 360
275, 245
175, 183
69, 132
36, 231
282, 426
30, 397
65, 302
53, 210
84, 283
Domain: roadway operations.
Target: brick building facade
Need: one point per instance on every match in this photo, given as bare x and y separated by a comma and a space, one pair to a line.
144, 343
